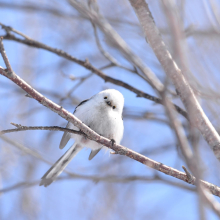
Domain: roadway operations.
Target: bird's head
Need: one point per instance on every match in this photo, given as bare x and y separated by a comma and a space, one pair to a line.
112, 99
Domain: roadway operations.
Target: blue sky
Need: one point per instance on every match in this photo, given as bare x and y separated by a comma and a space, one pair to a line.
85, 199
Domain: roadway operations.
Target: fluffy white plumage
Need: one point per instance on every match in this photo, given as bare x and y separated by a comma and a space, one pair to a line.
103, 114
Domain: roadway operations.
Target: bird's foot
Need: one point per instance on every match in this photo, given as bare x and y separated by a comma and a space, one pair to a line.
112, 142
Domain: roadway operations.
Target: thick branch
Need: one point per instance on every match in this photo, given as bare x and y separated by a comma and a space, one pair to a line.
215, 190
196, 114
191, 160
121, 179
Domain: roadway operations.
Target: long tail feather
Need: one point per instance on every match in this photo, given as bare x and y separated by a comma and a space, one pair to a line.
60, 165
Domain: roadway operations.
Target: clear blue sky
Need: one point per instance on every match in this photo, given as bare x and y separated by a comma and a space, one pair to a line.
86, 199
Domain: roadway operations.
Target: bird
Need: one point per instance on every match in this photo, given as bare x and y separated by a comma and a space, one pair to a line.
103, 114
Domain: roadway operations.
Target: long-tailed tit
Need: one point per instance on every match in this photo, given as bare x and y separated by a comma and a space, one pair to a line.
103, 114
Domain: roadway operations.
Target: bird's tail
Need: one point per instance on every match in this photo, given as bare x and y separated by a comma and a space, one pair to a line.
60, 165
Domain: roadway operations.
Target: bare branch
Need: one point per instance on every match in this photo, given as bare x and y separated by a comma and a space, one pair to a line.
118, 42
214, 204
180, 134
87, 65
81, 80
209, 199
35, 7
119, 149
108, 56
72, 175
191, 160
93, 4
5, 58
191, 178
112, 179
196, 114
45, 128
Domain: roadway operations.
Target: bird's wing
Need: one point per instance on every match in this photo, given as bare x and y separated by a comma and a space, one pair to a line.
67, 135
65, 138
81, 103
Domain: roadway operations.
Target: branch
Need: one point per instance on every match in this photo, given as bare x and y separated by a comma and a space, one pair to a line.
81, 80
101, 49
180, 133
45, 128
72, 175
209, 199
94, 6
196, 115
117, 42
119, 149
190, 158
113, 179
30, 42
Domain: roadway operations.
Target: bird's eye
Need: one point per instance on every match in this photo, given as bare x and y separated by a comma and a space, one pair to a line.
113, 107
105, 97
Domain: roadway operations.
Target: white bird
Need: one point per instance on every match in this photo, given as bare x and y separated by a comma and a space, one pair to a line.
103, 114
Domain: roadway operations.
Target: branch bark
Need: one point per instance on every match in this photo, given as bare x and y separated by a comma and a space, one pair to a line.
33, 43
190, 158
119, 149
118, 42
71, 175
196, 115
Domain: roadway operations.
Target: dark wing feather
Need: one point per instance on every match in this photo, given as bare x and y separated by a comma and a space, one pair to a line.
66, 135
81, 103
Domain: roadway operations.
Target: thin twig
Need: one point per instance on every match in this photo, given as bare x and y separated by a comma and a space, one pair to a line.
191, 178
108, 56
72, 175
81, 80
96, 179
45, 128
117, 42
5, 58
94, 6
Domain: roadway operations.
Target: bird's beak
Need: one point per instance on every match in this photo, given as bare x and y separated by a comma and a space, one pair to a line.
109, 103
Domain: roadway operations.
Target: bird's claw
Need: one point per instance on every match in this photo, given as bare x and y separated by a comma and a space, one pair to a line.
112, 142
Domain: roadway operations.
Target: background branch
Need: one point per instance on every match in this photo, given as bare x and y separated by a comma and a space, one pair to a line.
45, 128
30, 42
196, 114
94, 136
191, 34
